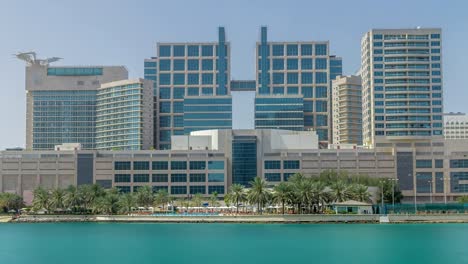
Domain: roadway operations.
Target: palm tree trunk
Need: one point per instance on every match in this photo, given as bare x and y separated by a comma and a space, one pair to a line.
283, 206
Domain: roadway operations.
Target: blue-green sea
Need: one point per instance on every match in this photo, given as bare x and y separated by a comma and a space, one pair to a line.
233, 243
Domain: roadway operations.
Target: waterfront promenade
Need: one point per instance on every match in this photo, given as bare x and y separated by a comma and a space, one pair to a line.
397, 218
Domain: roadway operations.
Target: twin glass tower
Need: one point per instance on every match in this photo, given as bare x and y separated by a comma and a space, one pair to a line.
188, 86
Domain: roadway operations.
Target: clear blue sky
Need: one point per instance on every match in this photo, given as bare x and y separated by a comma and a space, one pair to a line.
113, 32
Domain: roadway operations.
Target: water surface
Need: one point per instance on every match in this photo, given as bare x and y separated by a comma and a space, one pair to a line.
233, 243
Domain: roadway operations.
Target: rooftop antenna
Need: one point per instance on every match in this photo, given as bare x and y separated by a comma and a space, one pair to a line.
30, 58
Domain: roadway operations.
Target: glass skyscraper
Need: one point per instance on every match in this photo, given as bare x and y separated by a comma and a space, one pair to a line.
401, 72
61, 103
299, 69
187, 70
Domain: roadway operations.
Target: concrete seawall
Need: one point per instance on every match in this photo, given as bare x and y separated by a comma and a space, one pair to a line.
454, 218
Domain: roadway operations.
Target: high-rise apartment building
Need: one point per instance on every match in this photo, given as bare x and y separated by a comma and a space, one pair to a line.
189, 71
347, 110
455, 126
124, 119
303, 69
61, 102
401, 71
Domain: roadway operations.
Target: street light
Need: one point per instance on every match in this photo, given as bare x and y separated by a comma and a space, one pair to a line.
414, 192
445, 189
430, 189
394, 180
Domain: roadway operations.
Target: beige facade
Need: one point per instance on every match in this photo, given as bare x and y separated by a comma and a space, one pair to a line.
347, 110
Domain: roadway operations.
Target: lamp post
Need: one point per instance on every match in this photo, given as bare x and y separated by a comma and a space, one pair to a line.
430, 190
414, 193
382, 198
445, 188
394, 180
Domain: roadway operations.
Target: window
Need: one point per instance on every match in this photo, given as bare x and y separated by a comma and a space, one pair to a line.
207, 78
179, 177
160, 178
197, 189
179, 51
164, 65
207, 65
435, 43
321, 120
141, 165
122, 178
165, 93
164, 79
217, 189
197, 177
160, 165
179, 93
309, 120
278, 50
207, 91
439, 163
292, 64
164, 51
377, 36
122, 165
193, 91
192, 65
165, 121
164, 107
278, 90
197, 165
321, 92
178, 79
306, 49
459, 163
290, 164
165, 135
291, 50
306, 64
216, 165
179, 65
292, 78
178, 189
272, 164
320, 64
141, 178
320, 77
178, 107
293, 90
193, 79
215, 177
321, 106
308, 106
306, 78
147, 71
278, 78
193, 51
274, 177
423, 164
207, 51
278, 64
178, 165
320, 49
150, 64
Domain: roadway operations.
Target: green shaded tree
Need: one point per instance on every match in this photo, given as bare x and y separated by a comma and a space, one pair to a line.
162, 198
360, 192
144, 196
463, 199
72, 199
10, 201
282, 194
258, 193
340, 191
126, 202
41, 199
237, 195
214, 199
57, 199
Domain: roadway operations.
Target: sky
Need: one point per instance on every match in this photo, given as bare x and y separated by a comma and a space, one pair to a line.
125, 32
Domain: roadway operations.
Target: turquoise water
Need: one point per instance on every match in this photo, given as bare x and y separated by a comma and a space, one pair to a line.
233, 243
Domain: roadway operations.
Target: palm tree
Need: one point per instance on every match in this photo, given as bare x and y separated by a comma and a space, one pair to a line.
109, 203
57, 199
214, 199
88, 194
340, 191
304, 193
258, 193
41, 199
10, 201
126, 202
360, 192
197, 200
237, 195
144, 196
162, 198
320, 195
72, 199
282, 193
